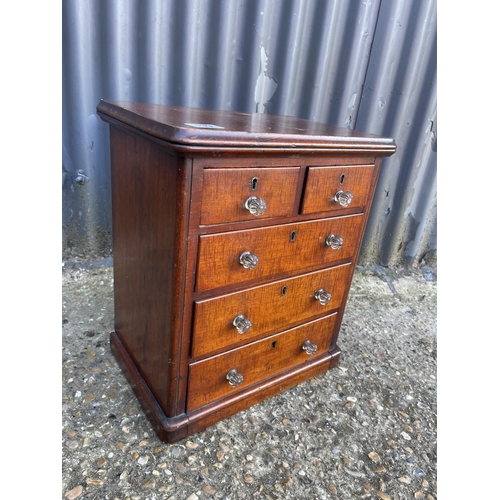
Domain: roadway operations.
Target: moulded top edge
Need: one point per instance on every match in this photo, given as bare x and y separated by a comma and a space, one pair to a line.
218, 128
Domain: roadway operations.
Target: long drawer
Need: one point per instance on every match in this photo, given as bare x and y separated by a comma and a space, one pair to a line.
221, 375
234, 319
239, 256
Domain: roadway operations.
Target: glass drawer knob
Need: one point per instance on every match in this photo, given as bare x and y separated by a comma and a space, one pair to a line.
323, 296
256, 206
234, 378
249, 260
242, 324
309, 347
344, 198
334, 241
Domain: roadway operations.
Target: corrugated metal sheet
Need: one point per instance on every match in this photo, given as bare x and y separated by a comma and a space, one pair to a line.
368, 65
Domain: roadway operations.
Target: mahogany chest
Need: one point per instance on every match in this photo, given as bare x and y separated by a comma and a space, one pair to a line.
235, 238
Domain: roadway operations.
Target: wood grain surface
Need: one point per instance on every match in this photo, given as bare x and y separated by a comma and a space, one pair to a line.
271, 308
256, 361
206, 129
218, 261
150, 207
225, 192
324, 182
180, 179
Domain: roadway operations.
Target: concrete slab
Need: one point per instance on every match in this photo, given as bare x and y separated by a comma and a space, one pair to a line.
366, 429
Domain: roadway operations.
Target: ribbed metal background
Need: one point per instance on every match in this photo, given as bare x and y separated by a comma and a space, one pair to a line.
368, 65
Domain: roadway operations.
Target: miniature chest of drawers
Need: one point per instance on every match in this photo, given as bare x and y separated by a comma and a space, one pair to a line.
235, 238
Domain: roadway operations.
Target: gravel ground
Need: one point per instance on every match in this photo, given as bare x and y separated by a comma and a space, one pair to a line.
366, 429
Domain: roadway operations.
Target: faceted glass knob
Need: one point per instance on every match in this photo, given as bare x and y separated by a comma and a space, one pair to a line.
242, 324
344, 198
256, 206
334, 242
249, 260
234, 378
309, 347
323, 296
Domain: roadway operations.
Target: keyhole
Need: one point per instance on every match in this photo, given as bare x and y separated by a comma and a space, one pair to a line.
273, 345
342, 177
283, 290
293, 235
254, 183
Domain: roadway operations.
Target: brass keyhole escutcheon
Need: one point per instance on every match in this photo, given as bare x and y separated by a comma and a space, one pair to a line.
293, 236
254, 182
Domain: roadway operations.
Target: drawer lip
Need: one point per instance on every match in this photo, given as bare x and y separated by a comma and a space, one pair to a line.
257, 361
277, 186
225, 269
213, 332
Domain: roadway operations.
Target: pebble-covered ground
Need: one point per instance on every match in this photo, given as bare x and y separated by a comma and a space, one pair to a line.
366, 429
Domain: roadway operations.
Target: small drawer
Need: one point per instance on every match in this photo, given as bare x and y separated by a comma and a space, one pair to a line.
337, 188
224, 374
238, 318
239, 256
240, 194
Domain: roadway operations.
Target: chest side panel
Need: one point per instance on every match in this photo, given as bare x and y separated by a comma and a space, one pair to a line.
149, 214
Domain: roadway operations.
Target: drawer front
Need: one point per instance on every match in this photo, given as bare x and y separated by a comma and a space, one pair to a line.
239, 194
269, 309
208, 379
279, 249
323, 184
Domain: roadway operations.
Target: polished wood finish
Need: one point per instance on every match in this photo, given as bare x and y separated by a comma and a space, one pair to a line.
256, 361
176, 428
180, 179
150, 211
324, 182
218, 262
187, 128
267, 307
226, 191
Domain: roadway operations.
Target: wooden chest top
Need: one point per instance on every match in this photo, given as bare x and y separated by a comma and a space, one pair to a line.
209, 129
